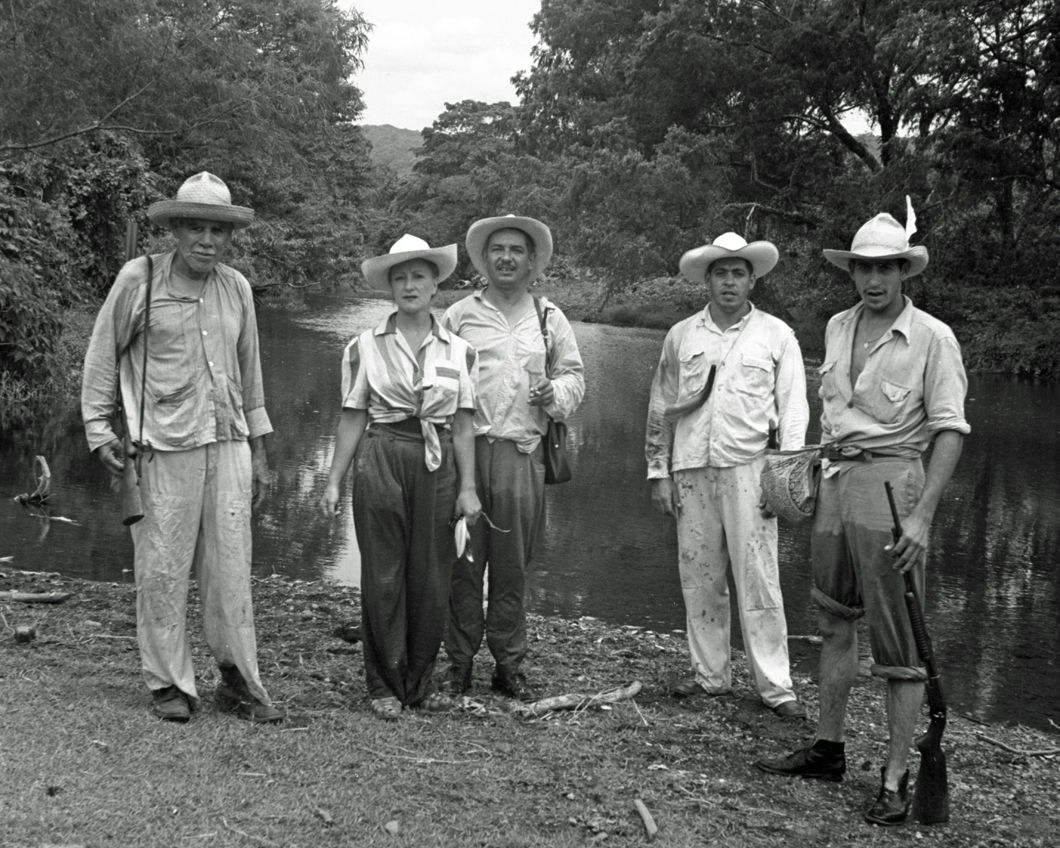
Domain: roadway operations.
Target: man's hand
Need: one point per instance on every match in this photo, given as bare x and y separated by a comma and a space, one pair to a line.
542, 393
468, 506
764, 509
260, 478
665, 497
112, 455
329, 500
912, 547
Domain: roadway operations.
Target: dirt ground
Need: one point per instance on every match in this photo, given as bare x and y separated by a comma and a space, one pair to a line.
82, 762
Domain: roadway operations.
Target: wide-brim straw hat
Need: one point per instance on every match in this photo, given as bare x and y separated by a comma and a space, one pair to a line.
478, 236
203, 196
377, 269
762, 255
881, 238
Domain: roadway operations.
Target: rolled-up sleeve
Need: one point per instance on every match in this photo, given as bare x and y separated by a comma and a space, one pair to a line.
568, 372
945, 387
659, 435
355, 391
792, 407
253, 384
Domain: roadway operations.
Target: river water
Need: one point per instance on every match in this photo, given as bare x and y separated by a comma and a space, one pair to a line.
993, 601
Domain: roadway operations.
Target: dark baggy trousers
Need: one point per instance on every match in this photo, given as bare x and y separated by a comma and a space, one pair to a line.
511, 486
401, 512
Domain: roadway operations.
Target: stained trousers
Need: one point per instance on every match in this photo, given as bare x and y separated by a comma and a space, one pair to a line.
720, 526
511, 487
196, 514
401, 512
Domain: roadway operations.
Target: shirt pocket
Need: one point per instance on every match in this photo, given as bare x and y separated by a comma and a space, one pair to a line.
756, 377
174, 412
441, 388
692, 375
891, 402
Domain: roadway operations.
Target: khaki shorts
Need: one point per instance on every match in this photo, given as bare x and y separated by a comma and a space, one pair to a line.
853, 575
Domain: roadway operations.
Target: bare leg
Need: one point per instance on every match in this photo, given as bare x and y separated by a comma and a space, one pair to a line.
839, 670
904, 698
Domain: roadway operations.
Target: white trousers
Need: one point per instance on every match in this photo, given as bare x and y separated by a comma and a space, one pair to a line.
719, 526
196, 513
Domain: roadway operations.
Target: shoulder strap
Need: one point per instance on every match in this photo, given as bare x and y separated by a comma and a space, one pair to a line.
147, 324
541, 316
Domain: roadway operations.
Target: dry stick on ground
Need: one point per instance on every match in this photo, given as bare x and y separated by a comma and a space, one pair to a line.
35, 597
576, 701
1047, 752
646, 817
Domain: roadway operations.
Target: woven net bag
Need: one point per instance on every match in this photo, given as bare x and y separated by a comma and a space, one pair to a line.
789, 483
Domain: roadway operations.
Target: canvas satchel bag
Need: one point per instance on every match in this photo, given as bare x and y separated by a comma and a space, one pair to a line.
557, 469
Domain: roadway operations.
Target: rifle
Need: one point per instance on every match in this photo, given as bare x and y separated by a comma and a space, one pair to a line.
931, 799
131, 504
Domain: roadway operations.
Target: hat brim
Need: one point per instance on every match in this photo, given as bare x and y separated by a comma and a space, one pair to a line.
376, 270
917, 256
162, 211
762, 255
479, 233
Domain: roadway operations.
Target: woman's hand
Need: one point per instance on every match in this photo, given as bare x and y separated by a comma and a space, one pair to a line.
329, 501
468, 505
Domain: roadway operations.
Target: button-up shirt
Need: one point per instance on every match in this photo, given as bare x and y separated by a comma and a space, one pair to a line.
382, 373
508, 356
913, 384
204, 379
760, 382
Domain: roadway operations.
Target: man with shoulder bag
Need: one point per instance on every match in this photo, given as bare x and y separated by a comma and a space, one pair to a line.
530, 374
727, 376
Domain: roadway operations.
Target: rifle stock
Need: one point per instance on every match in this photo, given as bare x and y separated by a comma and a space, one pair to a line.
931, 800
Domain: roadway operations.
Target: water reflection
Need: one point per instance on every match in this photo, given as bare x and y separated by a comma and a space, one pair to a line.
993, 606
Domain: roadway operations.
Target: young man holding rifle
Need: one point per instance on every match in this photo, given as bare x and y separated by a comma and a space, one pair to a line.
892, 381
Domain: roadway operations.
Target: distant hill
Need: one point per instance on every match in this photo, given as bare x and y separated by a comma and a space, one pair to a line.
392, 147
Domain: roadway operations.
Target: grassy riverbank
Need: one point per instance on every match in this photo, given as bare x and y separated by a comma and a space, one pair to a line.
84, 763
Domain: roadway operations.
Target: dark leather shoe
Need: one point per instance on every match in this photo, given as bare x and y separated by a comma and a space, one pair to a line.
891, 807
687, 689
807, 762
170, 704
790, 709
513, 685
233, 696
456, 682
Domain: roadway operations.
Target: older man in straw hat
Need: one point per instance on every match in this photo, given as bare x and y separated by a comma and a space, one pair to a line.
517, 392
177, 337
727, 377
892, 381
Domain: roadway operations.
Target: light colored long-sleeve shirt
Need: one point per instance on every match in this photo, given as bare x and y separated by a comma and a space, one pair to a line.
204, 380
507, 357
384, 375
912, 386
760, 383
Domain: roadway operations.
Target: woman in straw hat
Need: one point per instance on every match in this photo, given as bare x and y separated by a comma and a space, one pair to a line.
408, 396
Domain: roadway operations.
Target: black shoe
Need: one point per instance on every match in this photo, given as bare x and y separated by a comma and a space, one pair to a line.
170, 704
233, 696
808, 762
456, 682
891, 807
513, 685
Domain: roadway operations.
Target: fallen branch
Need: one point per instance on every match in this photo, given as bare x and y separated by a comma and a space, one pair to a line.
645, 816
578, 701
35, 597
1047, 752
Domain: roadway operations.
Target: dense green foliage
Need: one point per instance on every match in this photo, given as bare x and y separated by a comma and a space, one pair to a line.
107, 105
644, 127
648, 126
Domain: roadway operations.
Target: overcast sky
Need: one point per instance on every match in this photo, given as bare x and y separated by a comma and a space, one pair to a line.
423, 54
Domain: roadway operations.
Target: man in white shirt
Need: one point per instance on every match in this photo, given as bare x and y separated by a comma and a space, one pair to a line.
517, 393
727, 377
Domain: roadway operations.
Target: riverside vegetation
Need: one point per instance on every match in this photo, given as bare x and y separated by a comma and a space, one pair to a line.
84, 763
